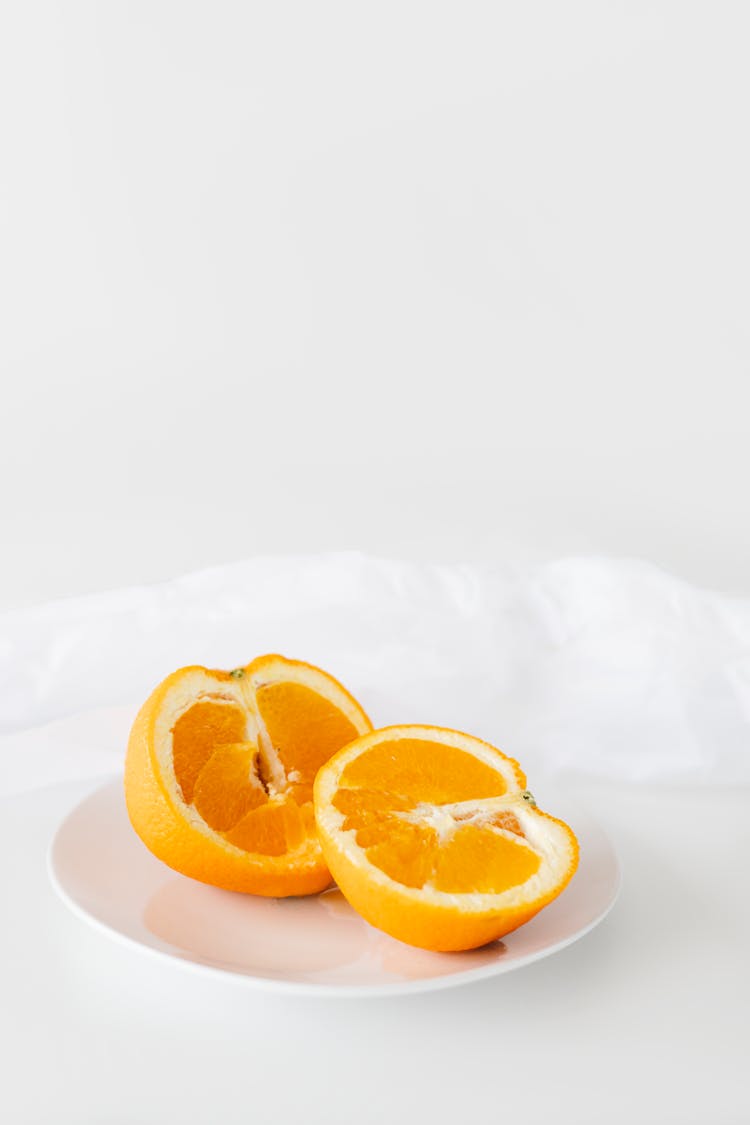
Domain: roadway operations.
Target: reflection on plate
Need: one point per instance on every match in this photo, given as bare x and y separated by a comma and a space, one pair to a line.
307, 945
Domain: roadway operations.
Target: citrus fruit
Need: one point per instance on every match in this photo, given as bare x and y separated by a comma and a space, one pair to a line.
432, 836
220, 769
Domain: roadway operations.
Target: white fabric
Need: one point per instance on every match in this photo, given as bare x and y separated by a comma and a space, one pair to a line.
607, 667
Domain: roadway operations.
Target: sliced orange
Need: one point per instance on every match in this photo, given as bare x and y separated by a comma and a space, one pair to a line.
220, 769
432, 836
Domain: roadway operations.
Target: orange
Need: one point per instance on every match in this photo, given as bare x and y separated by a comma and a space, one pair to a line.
433, 837
220, 768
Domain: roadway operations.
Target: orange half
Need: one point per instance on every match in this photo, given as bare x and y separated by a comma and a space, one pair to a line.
433, 837
220, 768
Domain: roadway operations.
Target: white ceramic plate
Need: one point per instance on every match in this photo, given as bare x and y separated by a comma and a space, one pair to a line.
317, 945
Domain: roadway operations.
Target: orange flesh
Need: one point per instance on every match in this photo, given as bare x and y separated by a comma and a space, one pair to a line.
472, 850
229, 785
221, 774
407, 855
196, 735
428, 771
262, 830
303, 727
478, 859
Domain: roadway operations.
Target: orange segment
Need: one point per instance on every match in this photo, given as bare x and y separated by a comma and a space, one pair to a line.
229, 786
301, 794
425, 770
479, 860
303, 726
197, 733
406, 852
505, 820
219, 786
263, 830
363, 807
432, 837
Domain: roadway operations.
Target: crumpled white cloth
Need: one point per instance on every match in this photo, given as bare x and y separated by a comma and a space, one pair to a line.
607, 667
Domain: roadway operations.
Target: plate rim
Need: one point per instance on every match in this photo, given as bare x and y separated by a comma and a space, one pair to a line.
310, 988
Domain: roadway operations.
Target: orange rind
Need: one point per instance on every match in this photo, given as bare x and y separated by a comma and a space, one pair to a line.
433, 837
220, 769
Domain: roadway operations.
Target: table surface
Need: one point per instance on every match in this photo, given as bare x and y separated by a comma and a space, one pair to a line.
645, 1018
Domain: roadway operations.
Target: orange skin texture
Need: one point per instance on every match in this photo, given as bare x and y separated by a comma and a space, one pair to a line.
163, 828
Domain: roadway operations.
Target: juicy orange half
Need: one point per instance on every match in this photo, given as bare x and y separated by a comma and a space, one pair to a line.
432, 836
220, 768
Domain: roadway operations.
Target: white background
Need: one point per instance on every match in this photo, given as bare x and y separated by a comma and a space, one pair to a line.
447, 280
456, 280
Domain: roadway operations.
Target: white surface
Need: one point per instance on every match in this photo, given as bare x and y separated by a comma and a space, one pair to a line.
316, 945
596, 666
644, 1019
451, 280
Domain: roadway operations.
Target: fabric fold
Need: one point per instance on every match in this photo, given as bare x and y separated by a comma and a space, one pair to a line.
608, 667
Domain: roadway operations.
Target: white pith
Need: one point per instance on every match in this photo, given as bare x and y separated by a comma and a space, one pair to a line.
198, 685
545, 837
